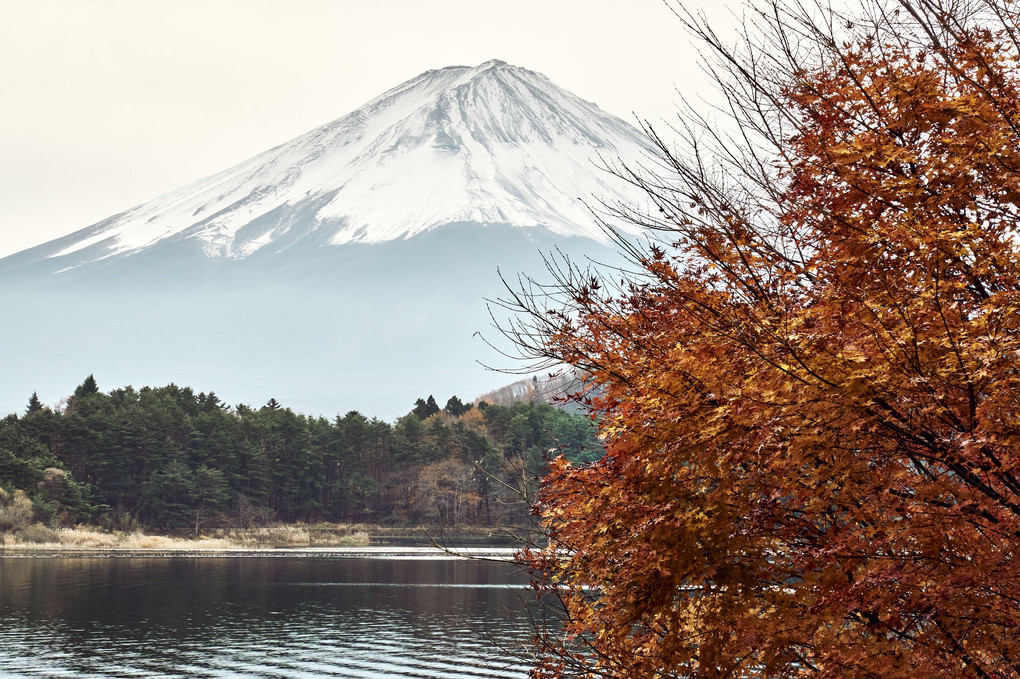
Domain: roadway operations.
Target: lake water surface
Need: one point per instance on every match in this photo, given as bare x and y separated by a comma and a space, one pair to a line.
337, 614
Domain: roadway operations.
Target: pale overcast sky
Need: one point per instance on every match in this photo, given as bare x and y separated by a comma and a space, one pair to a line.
108, 103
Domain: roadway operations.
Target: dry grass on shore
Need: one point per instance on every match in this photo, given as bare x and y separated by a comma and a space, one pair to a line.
40, 538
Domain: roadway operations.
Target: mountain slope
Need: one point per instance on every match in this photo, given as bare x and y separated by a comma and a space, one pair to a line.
347, 268
494, 144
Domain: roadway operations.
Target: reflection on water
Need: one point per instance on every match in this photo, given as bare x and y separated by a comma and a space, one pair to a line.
299, 616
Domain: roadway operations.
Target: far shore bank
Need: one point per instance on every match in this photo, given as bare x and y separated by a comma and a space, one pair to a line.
298, 537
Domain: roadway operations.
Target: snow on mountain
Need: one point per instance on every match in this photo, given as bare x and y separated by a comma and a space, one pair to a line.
348, 268
493, 144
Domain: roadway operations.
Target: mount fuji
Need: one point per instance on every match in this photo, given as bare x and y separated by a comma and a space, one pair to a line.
347, 268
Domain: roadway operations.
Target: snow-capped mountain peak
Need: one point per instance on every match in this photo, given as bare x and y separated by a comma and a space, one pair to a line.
490, 144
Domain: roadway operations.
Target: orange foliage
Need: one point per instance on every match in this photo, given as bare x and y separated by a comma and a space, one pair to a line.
811, 404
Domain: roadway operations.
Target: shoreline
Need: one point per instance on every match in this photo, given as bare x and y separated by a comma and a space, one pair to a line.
506, 554
279, 540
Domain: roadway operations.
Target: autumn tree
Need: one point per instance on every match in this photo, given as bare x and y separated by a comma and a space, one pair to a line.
809, 388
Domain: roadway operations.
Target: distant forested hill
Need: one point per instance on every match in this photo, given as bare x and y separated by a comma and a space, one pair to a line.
169, 459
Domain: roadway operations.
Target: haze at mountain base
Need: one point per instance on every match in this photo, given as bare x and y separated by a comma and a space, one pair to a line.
346, 269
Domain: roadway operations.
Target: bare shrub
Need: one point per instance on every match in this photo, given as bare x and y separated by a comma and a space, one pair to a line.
39, 534
16, 511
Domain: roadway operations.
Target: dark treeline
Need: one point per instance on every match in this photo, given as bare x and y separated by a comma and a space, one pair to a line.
169, 459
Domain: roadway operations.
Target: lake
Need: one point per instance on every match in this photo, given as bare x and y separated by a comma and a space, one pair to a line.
362, 613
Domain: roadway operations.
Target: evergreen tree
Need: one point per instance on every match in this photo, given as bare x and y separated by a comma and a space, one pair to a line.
420, 409
431, 407
209, 494
34, 404
456, 407
86, 388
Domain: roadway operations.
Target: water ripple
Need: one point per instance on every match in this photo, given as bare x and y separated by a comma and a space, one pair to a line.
288, 619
